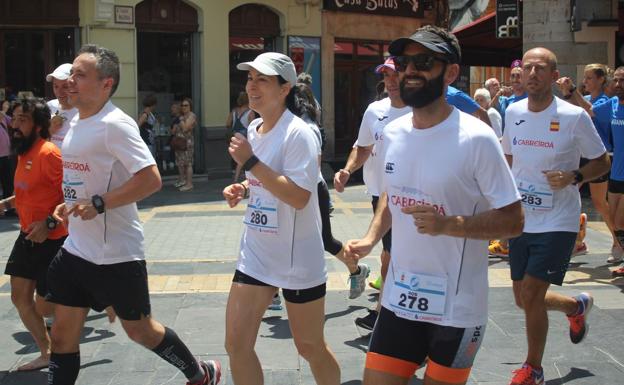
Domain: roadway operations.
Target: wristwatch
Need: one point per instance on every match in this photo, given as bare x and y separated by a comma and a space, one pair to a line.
571, 90
51, 223
98, 203
578, 177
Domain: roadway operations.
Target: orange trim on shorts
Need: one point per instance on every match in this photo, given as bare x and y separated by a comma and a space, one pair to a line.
391, 365
446, 374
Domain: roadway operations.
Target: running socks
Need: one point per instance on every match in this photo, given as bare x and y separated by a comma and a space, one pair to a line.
63, 368
619, 235
173, 350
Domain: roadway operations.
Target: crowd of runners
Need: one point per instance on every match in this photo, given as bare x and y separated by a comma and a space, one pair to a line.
445, 172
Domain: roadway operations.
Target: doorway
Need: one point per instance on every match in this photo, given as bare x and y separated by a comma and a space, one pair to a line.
355, 84
166, 51
253, 29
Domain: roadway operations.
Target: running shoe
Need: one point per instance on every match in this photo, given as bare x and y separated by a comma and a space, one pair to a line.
179, 184
358, 281
185, 188
579, 327
376, 284
367, 322
579, 249
619, 272
498, 249
212, 373
527, 375
616, 254
276, 304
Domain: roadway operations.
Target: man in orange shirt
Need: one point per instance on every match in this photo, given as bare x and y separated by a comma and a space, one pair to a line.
38, 181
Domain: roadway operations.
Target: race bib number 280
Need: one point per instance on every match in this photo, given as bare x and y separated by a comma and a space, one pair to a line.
261, 214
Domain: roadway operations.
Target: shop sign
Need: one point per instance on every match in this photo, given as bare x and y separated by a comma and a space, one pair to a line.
507, 19
405, 8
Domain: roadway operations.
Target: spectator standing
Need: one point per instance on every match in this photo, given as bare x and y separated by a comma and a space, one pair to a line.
184, 158
482, 96
147, 121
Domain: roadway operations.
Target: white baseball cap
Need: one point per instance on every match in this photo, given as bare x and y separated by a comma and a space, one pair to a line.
272, 63
61, 72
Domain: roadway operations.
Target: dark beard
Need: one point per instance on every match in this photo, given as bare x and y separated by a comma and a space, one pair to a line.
21, 145
427, 94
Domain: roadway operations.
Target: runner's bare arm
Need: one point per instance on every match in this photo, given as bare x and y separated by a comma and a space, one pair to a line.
595, 168
505, 222
7, 204
142, 184
280, 186
359, 248
482, 114
357, 158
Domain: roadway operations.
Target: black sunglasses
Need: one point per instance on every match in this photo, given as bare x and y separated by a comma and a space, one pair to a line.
421, 61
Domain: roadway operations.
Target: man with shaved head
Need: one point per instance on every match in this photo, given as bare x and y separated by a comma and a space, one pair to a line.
544, 140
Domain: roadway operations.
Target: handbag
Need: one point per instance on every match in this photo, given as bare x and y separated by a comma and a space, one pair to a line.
178, 143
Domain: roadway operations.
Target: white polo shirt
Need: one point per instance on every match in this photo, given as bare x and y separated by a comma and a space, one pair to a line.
101, 153
458, 168
376, 117
553, 139
282, 246
55, 108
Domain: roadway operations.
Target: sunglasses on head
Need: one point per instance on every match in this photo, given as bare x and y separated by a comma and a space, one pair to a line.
421, 61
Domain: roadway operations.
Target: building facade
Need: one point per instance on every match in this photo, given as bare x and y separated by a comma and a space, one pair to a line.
189, 48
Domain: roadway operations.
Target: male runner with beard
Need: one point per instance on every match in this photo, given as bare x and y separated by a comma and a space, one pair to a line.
37, 192
446, 189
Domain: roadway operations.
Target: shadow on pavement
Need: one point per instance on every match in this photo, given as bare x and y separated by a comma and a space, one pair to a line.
348, 310
278, 326
574, 374
89, 334
23, 378
360, 343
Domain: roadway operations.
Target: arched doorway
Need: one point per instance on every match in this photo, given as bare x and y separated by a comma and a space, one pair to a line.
254, 29
166, 51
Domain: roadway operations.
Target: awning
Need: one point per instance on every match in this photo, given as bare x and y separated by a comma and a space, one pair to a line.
480, 47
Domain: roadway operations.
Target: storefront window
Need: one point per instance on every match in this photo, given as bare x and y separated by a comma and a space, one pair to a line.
306, 54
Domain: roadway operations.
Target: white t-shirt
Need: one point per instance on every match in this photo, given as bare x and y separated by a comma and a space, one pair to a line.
553, 139
496, 120
457, 167
319, 143
101, 153
282, 246
376, 117
55, 108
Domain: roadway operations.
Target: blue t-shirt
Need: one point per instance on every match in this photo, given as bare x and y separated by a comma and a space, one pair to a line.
461, 100
599, 99
506, 101
606, 139
609, 121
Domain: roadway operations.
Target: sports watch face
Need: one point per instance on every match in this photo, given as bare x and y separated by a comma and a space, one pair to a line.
51, 223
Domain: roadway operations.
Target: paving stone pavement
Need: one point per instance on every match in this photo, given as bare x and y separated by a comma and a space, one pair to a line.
191, 244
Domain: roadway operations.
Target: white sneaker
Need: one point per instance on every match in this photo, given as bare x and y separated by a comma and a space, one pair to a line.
616, 255
358, 281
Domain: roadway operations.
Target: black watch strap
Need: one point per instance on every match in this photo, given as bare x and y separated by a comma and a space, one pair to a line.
98, 203
51, 223
250, 163
578, 177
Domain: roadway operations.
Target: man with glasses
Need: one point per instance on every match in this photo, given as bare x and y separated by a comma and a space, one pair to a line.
544, 141
446, 189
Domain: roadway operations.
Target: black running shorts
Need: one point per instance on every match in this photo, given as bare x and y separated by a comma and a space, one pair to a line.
399, 346
290, 295
30, 260
73, 281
